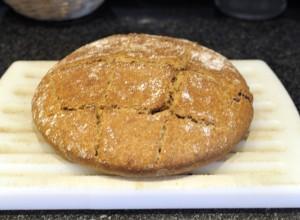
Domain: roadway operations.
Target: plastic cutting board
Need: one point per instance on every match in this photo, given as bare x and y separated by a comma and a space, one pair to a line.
263, 171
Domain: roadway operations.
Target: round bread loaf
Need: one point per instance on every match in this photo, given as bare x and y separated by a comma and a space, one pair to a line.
143, 105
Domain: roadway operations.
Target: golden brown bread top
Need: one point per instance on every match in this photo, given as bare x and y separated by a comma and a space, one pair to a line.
143, 105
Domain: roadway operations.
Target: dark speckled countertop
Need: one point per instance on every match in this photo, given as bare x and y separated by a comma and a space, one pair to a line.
275, 41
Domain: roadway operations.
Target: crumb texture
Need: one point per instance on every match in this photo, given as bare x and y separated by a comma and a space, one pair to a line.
143, 105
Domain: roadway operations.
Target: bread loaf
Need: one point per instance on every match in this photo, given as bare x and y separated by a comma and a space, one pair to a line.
143, 105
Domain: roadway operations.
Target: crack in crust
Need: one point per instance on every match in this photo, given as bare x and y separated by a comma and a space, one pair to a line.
242, 95
161, 142
98, 123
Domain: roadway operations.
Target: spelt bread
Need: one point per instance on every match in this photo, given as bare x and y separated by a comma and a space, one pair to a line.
143, 105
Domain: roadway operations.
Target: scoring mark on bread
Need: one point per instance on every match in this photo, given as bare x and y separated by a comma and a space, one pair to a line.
161, 141
98, 115
241, 95
203, 121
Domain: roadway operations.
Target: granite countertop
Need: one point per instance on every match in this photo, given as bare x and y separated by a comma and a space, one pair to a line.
275, 41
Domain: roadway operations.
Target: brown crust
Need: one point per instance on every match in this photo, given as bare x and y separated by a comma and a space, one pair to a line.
143, 105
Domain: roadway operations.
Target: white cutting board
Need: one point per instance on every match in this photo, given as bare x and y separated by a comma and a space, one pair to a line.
263, 171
